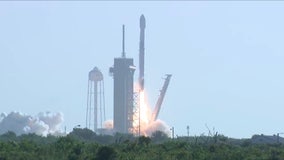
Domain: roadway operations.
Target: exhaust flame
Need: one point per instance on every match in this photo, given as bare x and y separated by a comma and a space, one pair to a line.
147, 125
145, 111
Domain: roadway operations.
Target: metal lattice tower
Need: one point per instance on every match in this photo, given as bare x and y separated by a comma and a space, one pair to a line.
95, 114
136, 114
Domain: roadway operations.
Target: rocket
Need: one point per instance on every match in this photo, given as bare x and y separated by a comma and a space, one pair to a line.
141, 52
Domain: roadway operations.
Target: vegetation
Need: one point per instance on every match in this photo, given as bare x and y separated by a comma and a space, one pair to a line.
83, 144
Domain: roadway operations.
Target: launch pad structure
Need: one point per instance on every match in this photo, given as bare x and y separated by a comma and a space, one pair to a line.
123, 72
126, 102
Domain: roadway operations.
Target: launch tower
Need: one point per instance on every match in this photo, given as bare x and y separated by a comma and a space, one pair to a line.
122, 72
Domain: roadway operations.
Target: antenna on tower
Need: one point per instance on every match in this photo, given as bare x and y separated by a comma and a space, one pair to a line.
123, 39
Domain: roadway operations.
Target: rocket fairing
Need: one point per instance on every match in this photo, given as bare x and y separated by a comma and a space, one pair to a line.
142, 22
141, 52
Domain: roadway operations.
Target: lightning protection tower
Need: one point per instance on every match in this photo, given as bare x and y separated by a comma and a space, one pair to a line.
95, 114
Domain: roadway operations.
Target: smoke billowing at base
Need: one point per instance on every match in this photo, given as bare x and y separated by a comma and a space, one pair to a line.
43, 123
157, 125
146, 130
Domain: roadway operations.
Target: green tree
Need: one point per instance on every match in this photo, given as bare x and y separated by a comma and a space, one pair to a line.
159, 137
106, 153
142, 140
8, 136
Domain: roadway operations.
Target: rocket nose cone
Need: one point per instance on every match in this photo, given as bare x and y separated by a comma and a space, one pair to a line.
142, 17
142, 21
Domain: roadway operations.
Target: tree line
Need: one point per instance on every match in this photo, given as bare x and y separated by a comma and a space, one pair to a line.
84, 144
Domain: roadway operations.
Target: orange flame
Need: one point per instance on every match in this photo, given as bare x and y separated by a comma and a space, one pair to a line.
144, 111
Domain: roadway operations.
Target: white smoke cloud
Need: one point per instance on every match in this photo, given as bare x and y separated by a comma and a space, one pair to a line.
157, 125
53, 120
42, 124
108, 124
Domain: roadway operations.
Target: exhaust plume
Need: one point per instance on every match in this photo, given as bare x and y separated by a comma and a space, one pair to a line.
43, 123
157, 125
147, 126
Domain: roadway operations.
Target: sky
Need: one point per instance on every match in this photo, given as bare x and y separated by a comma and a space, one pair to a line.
226, 59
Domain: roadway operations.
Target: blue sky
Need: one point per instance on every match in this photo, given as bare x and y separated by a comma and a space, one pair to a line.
226, 59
